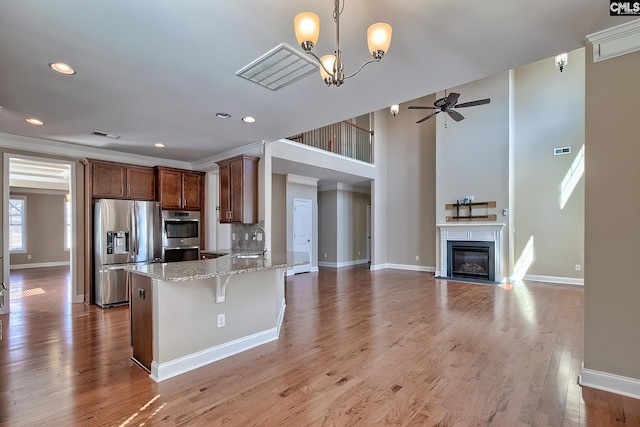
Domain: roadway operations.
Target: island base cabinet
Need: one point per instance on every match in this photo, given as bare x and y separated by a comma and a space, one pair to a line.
141, 319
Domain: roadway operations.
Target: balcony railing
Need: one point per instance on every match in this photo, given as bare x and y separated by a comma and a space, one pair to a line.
345, 138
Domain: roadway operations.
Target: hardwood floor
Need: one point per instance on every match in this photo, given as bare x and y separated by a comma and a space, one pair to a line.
357, 348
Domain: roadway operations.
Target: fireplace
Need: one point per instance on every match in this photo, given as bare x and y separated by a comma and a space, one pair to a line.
471, 260
471, 234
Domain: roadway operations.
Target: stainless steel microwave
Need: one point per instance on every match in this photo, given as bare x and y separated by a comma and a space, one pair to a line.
180, 228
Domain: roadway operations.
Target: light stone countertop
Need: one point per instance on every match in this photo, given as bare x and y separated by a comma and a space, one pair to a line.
222, 266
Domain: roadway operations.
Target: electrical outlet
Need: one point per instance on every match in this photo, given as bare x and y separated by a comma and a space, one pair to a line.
246, 236
221, 320
358, 252
417, 258
325, 254
505, 212
578, 267
233, 236
28, 256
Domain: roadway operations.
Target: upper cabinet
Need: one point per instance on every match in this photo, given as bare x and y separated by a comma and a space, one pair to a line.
239, 189
120, 181
180, 189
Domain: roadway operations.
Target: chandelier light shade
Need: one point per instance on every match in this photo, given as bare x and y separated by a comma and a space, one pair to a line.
307, 28
395, 109
562, 60
379, 39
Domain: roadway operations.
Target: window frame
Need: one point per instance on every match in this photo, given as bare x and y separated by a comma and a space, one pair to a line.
68, 221
23, 224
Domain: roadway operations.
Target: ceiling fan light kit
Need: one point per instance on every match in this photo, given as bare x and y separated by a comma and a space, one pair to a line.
307, 28
447, 105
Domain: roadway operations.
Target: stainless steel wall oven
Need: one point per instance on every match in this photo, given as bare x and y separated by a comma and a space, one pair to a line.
180, 235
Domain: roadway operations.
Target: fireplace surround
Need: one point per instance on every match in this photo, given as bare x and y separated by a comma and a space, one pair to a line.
476, 240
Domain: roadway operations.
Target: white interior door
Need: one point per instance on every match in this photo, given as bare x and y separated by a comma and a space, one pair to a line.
302, 231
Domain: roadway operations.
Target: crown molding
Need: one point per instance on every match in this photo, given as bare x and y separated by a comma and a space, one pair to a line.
45, 146
302, 180
209, 163
615, 41
340, 186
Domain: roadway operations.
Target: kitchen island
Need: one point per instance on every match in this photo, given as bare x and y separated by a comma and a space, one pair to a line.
188, 314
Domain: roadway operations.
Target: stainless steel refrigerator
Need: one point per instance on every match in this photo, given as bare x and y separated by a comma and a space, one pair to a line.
125, 232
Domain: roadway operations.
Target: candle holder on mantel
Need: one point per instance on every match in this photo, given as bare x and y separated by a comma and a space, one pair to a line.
470, 206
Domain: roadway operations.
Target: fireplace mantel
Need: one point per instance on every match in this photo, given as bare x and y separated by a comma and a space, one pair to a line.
478, 231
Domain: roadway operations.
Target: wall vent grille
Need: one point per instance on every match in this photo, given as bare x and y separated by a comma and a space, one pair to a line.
561, 151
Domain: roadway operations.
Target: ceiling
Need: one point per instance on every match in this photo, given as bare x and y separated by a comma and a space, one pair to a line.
157, 71
31, 174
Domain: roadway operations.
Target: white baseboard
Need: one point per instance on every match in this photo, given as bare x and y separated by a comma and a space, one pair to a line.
343, 263
164, 371
612, 383
409, 267
555, 279
39, 265
290, 272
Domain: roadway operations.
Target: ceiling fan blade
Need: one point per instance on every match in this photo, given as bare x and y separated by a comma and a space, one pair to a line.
453, 98
473, 103
455, 115
428, 117
419, 107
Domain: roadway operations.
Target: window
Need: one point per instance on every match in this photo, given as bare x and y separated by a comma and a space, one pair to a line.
17, 224
67, 225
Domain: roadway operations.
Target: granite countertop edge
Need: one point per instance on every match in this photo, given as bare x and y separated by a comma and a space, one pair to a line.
225, 265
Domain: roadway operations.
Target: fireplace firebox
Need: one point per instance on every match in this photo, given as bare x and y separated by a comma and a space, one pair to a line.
471, 260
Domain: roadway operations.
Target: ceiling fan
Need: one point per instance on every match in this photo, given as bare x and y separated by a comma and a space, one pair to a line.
447, 105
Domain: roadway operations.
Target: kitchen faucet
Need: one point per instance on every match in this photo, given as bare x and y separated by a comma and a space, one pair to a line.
255, 234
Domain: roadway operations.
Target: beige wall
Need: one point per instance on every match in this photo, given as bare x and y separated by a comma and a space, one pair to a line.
45, 229
411, 183
557, 231
342, 226
328, 226
612, 294
472, 156
279, 213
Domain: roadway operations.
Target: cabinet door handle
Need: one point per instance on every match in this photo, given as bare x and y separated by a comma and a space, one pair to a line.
141, 293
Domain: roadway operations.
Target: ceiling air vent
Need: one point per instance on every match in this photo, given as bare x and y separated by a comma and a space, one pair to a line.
279, 67
561, 151
105, 135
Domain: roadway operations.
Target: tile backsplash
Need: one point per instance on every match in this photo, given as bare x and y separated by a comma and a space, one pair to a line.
244, 237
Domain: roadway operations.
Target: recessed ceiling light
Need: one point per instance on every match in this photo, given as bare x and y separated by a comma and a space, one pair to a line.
34, 121
62, 68
159, 145
223, 115
248, 119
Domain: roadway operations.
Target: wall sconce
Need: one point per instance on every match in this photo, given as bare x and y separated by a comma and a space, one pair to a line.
562, 60
395, 109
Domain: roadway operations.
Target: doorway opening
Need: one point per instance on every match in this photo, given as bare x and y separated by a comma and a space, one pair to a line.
38, 232
302, 231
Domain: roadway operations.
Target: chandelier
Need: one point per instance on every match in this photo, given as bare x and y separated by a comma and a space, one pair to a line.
307, 27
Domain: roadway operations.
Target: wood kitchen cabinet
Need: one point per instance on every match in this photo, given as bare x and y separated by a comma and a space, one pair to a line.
120, 181
180, 189
239, 190
140, 304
